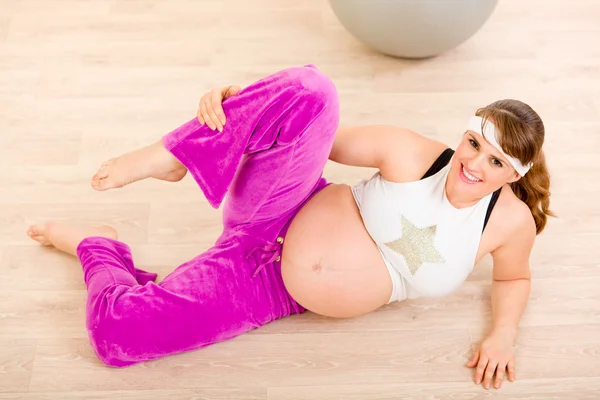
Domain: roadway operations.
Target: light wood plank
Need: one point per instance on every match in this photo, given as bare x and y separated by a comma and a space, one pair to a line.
262, 361
524, 389
3, 28
233, 393
16, 360
37, 313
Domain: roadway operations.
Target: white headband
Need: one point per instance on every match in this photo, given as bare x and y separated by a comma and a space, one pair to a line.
490, 135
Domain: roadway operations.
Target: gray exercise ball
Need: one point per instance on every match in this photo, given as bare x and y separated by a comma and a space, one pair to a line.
412, 28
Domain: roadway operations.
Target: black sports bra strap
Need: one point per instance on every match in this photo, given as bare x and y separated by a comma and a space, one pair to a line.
493, 201
442, 160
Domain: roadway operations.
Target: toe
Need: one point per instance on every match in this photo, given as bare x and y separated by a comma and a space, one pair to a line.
101, 184
38, 238
101, 174
34, 230
102, 171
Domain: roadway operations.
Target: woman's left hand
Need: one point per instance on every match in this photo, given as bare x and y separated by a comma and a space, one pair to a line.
494, 355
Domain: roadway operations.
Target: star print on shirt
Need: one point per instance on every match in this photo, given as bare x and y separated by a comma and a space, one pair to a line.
416, 245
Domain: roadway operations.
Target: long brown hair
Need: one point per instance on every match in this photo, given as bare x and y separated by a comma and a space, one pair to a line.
522, 137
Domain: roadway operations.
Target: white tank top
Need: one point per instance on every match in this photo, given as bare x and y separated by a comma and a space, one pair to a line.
429, 244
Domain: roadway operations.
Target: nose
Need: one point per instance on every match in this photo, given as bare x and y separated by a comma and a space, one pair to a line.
475, 163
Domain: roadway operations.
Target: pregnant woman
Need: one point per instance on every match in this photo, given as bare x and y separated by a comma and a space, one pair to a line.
292, 241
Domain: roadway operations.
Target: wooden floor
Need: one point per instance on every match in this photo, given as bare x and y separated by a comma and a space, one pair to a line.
82, 81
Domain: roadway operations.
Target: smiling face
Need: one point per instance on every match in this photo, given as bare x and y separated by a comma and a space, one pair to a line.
477, 169
502, 144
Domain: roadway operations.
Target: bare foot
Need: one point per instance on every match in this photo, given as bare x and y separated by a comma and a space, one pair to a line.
66, 238
152, 161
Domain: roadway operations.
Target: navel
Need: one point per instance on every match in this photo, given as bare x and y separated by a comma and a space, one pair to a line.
317, 267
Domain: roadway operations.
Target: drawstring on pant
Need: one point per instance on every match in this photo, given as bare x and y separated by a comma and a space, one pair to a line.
270, 251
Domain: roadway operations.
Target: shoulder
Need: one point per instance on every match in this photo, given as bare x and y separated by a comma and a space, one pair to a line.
512, 215
515, 227
408, 154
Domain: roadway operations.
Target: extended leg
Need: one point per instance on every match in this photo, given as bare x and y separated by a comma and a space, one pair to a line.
212, 298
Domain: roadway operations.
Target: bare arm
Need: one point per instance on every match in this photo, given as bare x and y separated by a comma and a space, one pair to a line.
388, 148
511, 279
360, 146
510, 291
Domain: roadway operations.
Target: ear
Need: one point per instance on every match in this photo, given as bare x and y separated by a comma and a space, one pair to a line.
515, 178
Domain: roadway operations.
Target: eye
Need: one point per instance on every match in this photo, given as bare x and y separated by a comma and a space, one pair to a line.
474, 143
496, 162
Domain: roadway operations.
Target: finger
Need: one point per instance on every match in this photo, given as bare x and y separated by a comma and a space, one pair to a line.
217, 100
480, 369
500, 371
199, 113
204, 114
213, 116
511, 370
210, 108
474, 359
206, 117
232, 90
489, 373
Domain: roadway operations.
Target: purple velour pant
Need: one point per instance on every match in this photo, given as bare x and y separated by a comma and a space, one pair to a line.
269, 160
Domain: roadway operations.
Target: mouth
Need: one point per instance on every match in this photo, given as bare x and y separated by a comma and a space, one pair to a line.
467, 177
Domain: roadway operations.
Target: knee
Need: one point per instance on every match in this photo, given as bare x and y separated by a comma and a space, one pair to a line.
314, 84
108, 348
128, 336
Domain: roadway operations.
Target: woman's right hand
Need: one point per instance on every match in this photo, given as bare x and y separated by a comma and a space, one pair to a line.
210, 110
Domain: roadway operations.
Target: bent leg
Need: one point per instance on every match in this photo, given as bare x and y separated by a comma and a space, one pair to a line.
270, 115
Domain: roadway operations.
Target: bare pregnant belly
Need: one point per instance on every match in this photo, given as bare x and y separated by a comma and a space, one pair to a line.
330, 264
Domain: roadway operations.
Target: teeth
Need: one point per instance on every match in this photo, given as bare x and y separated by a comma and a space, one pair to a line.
469, 176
